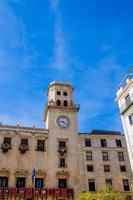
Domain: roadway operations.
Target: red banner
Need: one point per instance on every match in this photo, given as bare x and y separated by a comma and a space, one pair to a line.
6, 191
64, 192
57, 192
70, 192
37, 191
43, 192
14, 191
29, 192
21, 191
1, 191
51, 192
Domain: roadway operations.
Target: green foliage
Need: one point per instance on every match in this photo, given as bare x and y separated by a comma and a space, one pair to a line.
105, 194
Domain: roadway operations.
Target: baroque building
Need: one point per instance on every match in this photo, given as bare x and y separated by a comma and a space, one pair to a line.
58, 162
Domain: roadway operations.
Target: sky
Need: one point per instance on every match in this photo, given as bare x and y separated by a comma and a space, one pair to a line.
88, 43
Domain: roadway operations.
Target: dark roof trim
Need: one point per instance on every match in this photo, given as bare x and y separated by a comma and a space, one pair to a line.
103, 132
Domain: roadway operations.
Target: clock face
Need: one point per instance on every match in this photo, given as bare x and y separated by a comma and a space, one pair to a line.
63, 121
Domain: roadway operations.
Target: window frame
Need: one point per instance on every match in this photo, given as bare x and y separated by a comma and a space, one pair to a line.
22, 185
89, 157
4, 181
118, 143
43, 145
105, 168
105, 158
126, 186
91, 168
42, 182
87, 142
103, 142
62, 185
121, 158
91, 188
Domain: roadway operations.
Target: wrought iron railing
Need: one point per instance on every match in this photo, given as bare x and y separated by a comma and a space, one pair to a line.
33, 130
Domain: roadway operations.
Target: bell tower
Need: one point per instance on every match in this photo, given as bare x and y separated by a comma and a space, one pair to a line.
64, 154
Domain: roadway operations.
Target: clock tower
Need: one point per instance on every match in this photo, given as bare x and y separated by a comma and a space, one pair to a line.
64, 153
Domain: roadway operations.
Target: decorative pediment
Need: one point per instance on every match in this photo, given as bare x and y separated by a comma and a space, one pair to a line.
62, 174
41, 173
4, 172
21, 172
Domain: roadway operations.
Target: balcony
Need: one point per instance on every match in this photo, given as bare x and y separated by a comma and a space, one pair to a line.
126, 105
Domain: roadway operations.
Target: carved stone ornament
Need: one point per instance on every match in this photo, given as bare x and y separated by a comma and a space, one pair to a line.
21, 172
62, 174
41, 173
4, 172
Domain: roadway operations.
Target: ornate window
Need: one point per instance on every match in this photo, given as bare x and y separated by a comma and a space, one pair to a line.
3, 181
62, 183
20, 182
40, 145
39, 183
65, 103
58, 102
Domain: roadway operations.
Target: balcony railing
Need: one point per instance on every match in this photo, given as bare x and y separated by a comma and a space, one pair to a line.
32, 130
126, 105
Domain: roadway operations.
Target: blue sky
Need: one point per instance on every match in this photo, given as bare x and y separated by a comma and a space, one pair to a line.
88, 43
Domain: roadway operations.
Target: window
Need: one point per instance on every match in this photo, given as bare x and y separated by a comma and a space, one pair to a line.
103, 143
90, 168
24, 141
131, 119
65, 103
40, 145
88, 155
62, 183
106, 168
58, 93
62, 162
120, 156
123, 168
91, 183
3, 181
118, 143
62, 144
7, 140
108, 182
20, 183
58, 103
87, 142
127, 100
39, 183
126, 185
65, 93
105, 155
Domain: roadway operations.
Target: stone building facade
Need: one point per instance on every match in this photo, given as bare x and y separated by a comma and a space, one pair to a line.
58, 162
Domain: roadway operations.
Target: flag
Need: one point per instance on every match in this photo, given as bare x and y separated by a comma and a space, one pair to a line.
33, 176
